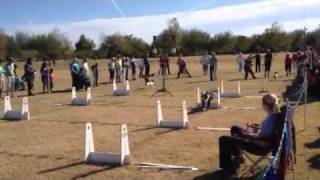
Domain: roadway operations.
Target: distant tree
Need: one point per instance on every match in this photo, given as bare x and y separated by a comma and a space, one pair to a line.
194, 41
242, 44
125, 45
276, 38
84, 47
12, 47
3, 48
222, 43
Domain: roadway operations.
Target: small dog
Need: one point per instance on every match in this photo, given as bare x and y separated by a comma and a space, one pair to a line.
206, 98
276, 75
149, 81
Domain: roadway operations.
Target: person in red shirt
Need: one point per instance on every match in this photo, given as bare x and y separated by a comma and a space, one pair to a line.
288, 64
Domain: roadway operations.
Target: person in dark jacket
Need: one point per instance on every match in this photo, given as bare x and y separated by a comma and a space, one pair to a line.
146, 65
45, 77
95, 73
213, 62
288, 64
248, 68
182, 67
29, 75
258, 62
267, 63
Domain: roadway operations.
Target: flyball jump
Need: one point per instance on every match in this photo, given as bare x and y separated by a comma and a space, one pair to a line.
10, 114
100, 158
176, 124
216, 104
123, 91
234, 94
76, 101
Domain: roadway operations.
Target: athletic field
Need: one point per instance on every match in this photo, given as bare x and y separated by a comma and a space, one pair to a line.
51, 144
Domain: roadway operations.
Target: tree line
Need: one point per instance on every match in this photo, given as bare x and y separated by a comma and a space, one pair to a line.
55, 45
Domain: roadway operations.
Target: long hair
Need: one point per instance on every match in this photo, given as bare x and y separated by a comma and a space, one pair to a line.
271, 101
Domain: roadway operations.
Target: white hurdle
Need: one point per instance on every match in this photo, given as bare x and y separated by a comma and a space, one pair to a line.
92, 157
231, 94
10, 114
121, 92
214, 105
80, 101
175, 124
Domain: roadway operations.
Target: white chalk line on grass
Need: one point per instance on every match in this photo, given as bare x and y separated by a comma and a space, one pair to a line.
165, 166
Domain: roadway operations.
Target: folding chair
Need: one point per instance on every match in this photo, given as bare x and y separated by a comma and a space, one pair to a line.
275, 140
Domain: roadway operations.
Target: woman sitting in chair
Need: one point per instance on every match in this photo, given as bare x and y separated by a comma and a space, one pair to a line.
259, 143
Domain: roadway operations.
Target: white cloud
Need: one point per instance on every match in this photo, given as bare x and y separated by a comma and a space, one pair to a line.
147, 26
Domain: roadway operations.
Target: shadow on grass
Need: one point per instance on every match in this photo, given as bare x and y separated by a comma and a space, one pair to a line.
195, 82
167, 131
221, 175
314, 161
84, 175
145, 129
195, 111
313, 145
61, 167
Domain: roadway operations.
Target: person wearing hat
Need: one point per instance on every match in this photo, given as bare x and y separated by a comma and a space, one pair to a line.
9, 76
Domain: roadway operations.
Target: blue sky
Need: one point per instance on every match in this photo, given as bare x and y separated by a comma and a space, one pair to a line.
145, 18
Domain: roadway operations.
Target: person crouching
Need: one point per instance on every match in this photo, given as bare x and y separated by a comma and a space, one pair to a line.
206, 98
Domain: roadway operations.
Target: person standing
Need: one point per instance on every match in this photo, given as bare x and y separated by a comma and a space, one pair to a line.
1, 78
45, 77
29, 75
95, 73
267, 63
141, 67
86, 66
182, 67
213, 67
146, 65
111, 68
9, 76
258, 62
167, 63
240, 62
118, 65
125, 67
162, 64
248, 68
132, 63
288, 64
204, 62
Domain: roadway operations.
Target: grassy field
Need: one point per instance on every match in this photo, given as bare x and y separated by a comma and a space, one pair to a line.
51, 144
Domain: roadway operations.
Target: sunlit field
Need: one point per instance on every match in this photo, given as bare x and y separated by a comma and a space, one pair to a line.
51, 144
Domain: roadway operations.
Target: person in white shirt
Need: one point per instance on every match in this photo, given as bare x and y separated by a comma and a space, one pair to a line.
204, 61
86, 66
240, 61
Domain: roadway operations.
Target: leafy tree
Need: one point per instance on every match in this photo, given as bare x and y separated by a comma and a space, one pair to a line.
194, 41
84, 47
3, 49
